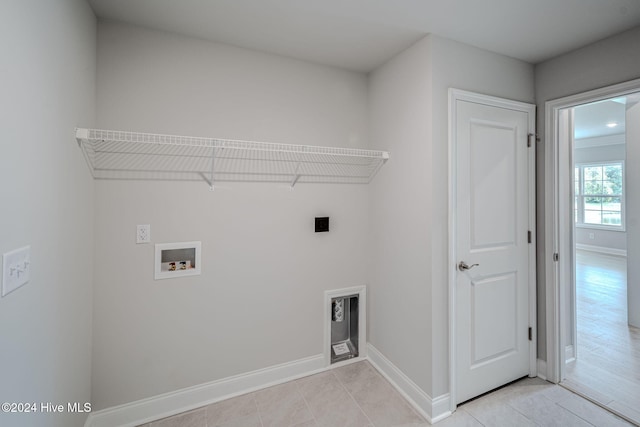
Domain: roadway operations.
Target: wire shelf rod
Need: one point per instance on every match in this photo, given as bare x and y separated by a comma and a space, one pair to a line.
192, 156
131, 155
160, 139
201, 172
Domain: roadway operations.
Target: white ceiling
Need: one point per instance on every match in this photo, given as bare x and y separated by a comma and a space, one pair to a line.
362, 34
590, 120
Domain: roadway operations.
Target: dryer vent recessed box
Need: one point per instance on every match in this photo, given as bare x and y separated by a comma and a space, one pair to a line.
322, 224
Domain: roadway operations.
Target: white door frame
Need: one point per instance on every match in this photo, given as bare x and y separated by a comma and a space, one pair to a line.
558, 220
460, 95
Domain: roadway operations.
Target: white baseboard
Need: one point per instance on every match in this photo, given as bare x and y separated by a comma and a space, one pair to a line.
542, 369
175, 402
569, 354
433, 410
602, 250
157, 407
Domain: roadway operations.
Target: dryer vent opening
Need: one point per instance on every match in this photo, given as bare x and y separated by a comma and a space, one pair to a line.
344, 328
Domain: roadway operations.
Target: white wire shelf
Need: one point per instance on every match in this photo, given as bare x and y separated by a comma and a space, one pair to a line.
143, 156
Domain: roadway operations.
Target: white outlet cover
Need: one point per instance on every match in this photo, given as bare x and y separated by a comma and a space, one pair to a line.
143, 233
16, 269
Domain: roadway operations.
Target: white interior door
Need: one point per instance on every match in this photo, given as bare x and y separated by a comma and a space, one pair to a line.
491, 227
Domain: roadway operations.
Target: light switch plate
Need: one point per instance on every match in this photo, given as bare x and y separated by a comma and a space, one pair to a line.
16, 269
143, 233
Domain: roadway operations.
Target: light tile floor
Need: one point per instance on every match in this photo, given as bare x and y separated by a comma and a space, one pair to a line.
356, 395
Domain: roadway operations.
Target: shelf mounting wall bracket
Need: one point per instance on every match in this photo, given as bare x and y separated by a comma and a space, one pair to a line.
295, 178
213, 168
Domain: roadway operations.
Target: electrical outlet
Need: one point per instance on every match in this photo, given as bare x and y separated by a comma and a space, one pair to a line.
143, 233
592, 236
16, 269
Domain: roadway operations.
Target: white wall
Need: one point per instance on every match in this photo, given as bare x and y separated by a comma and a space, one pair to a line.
633, 215
259, 300
409, 201
607, 62
47, 70
600, 153
400, 202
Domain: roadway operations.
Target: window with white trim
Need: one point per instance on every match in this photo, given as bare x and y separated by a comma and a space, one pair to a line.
599, 195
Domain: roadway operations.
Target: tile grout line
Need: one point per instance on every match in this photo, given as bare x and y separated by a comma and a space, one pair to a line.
305, 402
573, 413
619, 414
471, 415
395, 390
577, 415
255, 402
604, 406
559, 403
508, 403
552, 403
353, 399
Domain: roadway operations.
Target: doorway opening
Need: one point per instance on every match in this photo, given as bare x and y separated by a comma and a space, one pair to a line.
598, 359
594, 334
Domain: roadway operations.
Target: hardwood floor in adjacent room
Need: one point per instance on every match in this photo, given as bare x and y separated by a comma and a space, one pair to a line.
607, 369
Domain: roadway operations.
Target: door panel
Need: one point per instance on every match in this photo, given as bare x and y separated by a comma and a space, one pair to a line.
492, 183
491, 226
492, 305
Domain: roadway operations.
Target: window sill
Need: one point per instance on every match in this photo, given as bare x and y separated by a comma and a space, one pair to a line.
602, 227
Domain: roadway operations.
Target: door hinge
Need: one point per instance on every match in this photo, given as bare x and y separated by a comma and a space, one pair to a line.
529, 136
529, 234
556, 257
530, 333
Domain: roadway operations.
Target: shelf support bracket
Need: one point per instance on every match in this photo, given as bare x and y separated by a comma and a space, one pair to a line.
296, 176
293, 181
213, 168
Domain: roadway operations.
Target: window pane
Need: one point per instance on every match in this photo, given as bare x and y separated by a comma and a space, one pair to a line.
592, 217
593, 210
611, 204
613, 173
609, 187
613, 178
599, 194
593, 187
593, 203
592, 173
611, 218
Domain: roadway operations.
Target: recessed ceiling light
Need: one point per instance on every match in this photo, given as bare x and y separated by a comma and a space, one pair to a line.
612, 124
